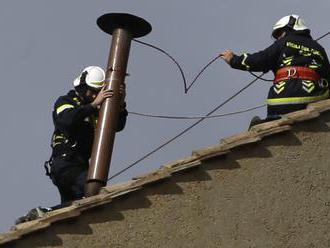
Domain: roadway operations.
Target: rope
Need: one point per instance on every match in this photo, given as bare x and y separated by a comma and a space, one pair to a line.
201, 72
321, 37
195, 117
186, 88
183, 131
262, 79
168, 55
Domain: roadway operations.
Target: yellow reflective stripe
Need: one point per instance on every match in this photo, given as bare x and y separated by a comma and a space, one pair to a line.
58, 137
244, 60
76, 100
57, 143
97, 83
288, 60
297, 100
63, 107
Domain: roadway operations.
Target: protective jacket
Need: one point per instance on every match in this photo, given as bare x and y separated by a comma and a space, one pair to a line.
74, 127
297, 48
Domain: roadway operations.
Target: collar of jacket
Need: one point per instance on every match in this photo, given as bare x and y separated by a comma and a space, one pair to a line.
73, 94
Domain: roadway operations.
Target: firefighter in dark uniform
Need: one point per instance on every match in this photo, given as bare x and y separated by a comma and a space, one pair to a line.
75, 117
300, 65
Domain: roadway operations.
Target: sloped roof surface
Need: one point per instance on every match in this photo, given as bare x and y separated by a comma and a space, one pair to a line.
203, 157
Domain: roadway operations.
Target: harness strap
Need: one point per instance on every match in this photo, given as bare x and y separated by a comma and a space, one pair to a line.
47, 166
300, 72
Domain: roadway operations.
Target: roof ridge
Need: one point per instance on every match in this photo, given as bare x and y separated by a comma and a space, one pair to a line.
109, 193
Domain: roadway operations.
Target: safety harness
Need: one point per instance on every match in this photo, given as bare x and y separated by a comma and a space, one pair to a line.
63, 146
298, 72
309, 78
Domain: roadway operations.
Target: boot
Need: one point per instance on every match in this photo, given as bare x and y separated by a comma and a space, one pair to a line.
255, 121
33, 214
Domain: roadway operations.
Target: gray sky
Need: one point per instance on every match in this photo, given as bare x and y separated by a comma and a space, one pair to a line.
45, 44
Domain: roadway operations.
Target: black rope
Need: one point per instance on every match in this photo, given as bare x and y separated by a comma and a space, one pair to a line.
321, 37
186, 90
195, 117
186, 87
168, 55
184, 131
262, 79
201, 72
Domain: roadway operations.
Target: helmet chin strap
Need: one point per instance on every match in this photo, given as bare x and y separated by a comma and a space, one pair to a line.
82, 88
283, 33
81, 91
83, 78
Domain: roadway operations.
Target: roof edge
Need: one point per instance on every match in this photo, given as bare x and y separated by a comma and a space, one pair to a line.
110, 193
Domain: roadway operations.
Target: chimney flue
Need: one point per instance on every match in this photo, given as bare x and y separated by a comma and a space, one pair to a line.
123, 28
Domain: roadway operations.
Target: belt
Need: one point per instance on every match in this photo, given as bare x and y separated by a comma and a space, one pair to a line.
300, 72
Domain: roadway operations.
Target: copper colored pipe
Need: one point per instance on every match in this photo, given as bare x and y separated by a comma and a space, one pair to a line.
123, 27
109, 112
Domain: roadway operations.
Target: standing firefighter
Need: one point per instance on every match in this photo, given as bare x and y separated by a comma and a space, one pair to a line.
299, 63
75, 117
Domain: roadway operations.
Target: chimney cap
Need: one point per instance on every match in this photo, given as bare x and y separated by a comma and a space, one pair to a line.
134, 24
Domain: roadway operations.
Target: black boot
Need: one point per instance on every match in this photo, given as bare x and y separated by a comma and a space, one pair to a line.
255, 121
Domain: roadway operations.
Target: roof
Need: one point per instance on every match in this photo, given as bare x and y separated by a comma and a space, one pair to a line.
197, 159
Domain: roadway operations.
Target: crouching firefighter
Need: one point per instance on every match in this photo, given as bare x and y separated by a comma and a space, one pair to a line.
299, 63
75, 116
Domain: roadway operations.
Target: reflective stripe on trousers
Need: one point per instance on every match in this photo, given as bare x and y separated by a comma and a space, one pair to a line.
297, 100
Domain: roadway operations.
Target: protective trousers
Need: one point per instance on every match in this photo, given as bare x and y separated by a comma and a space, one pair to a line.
69, 176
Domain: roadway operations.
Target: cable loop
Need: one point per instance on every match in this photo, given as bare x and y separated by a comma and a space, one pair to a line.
186, 88
184, 131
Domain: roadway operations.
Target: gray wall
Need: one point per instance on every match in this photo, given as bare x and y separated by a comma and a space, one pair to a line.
275, 193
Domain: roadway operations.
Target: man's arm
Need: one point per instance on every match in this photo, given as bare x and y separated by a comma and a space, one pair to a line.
261, 61
67, 114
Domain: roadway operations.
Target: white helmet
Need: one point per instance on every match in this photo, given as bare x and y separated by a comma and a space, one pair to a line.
293, 22
92, 76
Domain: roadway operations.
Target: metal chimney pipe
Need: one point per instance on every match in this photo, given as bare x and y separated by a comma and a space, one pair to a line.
123, 28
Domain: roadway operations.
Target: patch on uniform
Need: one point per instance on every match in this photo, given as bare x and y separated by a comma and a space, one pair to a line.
308, 86
279, 87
